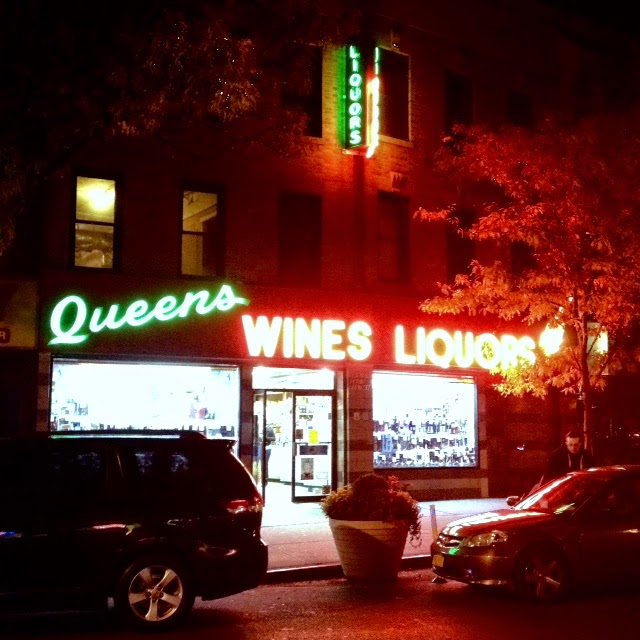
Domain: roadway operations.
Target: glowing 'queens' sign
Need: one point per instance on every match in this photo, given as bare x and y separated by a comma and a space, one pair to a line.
71, 322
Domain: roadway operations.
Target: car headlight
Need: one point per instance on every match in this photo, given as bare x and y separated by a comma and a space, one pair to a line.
485, 539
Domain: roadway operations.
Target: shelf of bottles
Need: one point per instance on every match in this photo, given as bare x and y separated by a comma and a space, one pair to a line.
441, 434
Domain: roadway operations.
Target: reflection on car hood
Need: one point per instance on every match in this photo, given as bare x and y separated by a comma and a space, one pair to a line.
502, 519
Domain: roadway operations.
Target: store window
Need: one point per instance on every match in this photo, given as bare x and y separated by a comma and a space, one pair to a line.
299, 238
394, 94
98, 396
393, 238
202, 234
424, 421
95, 219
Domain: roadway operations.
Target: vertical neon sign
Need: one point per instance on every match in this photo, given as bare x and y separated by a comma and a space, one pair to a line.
373, 104
362, 99
355, 111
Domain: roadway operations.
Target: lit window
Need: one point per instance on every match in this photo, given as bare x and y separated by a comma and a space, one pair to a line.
94, 223
423, 421
202, 234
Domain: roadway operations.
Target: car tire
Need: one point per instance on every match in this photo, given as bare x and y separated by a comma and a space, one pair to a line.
154, 592
542, 574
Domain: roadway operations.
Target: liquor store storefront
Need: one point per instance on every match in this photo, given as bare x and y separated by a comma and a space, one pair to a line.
313, 391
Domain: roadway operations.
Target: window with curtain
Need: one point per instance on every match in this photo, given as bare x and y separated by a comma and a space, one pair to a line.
202, 234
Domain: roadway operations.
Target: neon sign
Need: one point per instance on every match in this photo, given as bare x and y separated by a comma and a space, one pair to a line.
355, 98
442, 349
362, 107
373, 105
326, 339
68, 319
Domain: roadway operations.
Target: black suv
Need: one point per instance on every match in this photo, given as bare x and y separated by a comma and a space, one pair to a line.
151, 521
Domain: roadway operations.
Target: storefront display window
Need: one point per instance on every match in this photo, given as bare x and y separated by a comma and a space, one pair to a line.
424, 421
89, 395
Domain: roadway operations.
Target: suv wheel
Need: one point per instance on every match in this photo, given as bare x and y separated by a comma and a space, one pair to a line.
154, 592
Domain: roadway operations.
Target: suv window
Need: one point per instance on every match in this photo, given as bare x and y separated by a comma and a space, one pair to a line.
162, 469
228, 478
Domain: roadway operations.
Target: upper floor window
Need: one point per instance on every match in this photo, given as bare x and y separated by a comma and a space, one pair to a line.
522, 258
460, 249
394, 94
299, 238
393, 238
305, 93
202, 234
458, 99
95, 219
520, 109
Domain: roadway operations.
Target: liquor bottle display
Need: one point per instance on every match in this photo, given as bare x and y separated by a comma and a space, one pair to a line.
441, 433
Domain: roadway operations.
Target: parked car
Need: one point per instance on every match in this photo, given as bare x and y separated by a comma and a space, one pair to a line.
152, 521
584, 526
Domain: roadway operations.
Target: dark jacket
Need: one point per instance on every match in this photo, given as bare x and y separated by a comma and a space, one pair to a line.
561, 462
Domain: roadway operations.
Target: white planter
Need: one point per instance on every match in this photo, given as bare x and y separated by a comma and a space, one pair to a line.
369, 550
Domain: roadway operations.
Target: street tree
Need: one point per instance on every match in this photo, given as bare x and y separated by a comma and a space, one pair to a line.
69, 74
567, 197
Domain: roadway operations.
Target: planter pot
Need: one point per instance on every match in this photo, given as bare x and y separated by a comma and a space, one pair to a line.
369, 550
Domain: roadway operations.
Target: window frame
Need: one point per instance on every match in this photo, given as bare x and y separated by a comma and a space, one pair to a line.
117, 219
315, 279
467, 217
458, 432
383, 134
403, 265
450, 116
306, 101
219, 237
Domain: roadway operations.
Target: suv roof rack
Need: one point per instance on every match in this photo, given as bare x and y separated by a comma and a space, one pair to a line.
130, 433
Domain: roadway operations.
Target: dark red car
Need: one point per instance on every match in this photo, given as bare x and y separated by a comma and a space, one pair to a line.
581, 527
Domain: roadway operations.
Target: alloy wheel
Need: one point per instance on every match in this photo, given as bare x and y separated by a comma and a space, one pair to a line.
543, 575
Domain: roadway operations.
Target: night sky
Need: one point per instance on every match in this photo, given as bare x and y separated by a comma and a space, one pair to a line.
618, 13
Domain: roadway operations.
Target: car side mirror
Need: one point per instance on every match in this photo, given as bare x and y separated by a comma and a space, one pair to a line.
513, 500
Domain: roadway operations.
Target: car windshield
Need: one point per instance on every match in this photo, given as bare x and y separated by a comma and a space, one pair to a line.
563, 495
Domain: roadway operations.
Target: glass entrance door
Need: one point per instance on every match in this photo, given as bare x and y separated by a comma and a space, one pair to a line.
313, 435
292, 444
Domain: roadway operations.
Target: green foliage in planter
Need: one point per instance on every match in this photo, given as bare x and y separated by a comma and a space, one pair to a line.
374, 497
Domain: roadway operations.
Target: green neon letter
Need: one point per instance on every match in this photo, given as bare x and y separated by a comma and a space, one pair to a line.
68, 336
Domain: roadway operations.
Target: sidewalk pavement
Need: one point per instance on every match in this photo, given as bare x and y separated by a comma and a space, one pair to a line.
301, 546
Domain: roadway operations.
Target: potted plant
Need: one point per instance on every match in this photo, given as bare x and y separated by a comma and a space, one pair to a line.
370, 520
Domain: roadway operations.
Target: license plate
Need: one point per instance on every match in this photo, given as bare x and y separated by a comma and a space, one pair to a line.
437, 560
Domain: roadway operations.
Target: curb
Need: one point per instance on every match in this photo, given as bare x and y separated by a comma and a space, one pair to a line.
333, 571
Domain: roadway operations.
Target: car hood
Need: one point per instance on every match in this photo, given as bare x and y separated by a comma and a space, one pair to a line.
505, 519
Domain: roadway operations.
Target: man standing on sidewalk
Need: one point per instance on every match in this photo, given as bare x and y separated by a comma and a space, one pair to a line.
571, 456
